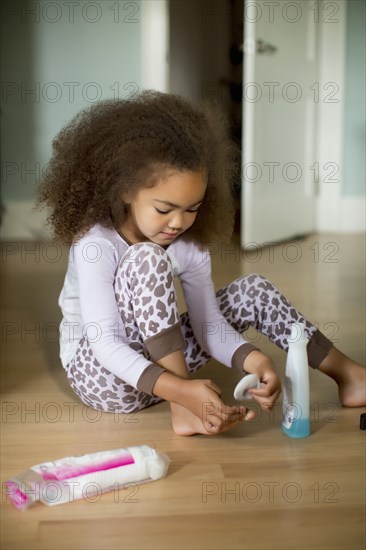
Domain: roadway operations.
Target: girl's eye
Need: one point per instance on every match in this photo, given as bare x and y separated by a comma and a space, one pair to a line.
168, 211
162, 211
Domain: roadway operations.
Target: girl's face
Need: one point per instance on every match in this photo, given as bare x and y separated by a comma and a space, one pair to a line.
160, 213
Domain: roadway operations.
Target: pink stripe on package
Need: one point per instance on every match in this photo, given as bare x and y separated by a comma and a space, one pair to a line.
68, 469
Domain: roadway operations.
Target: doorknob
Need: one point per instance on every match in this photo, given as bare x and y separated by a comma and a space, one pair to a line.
265, 47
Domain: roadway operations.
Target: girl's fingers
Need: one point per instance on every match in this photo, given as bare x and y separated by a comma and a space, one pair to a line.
265, 390
267, 403
265, 398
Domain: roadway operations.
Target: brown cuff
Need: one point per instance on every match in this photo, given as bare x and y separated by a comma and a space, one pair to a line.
237, 360
147, 380
318, 348
165, 342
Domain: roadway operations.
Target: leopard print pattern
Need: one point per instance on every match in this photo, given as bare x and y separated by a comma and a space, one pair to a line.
253, 301
145, 293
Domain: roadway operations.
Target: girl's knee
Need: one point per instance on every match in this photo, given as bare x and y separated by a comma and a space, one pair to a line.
255, 277
143, 250
144, 258
256, 280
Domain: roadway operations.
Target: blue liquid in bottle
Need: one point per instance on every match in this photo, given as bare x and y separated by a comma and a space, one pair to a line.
295, 427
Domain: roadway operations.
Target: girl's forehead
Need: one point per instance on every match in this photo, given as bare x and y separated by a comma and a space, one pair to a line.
184, 185
162, 172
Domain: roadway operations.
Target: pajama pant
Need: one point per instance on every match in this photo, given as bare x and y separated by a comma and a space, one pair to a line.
146, 299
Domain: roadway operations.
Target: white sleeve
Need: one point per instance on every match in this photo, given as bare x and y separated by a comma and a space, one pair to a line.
95, 270
213, 333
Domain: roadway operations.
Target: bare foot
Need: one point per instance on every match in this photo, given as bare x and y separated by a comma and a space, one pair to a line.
352, 389
349, 375
186, 423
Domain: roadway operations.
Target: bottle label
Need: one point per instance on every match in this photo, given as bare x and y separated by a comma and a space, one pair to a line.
289, 415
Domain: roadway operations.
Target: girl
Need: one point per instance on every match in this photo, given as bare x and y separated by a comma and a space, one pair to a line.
138, 187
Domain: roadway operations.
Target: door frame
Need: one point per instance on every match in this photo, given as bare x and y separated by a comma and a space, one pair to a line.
155, 45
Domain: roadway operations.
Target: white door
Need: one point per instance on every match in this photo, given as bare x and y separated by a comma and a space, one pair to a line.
280, 93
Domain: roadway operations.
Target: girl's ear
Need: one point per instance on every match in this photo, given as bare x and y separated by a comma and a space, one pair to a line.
126, 197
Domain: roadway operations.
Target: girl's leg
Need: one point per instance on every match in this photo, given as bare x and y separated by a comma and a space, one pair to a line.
253, 301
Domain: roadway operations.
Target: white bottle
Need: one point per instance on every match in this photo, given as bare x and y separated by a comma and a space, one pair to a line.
296, 405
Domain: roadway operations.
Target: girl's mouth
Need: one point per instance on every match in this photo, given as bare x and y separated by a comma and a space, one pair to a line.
169, 235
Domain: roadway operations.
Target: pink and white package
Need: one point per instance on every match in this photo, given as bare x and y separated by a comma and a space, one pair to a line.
76, 477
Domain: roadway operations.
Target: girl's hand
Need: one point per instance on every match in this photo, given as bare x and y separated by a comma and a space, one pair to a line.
262, 365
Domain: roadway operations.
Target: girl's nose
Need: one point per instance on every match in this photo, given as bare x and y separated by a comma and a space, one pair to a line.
176, 221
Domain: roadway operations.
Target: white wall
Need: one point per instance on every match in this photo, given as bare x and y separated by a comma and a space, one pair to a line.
155, 34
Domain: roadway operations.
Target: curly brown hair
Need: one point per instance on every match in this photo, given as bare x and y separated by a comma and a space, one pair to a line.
120, 146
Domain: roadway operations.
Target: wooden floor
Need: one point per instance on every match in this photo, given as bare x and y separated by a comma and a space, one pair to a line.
252, 488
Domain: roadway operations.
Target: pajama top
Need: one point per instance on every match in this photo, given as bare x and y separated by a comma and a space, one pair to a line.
89, 307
